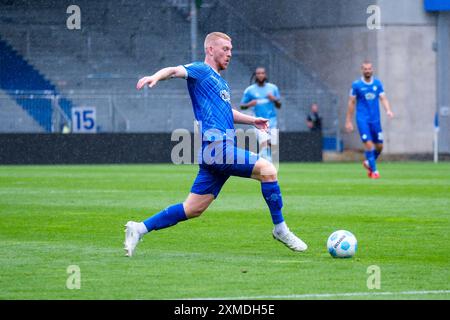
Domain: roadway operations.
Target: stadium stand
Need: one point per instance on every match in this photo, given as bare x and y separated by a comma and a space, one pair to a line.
14, 119
19, 76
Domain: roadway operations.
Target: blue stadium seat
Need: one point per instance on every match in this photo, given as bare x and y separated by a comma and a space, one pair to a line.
19, 76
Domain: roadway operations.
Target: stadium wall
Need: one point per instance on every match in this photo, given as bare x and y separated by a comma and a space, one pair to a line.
128, 148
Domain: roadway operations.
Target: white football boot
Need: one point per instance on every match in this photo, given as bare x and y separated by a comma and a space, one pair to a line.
290, 240
132, 237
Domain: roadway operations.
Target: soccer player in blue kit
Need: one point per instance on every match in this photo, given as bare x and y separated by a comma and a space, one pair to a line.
210, 97
264, 97
365, 94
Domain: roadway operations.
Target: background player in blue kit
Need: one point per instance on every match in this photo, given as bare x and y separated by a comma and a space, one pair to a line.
365, 93
219, 157
264, 97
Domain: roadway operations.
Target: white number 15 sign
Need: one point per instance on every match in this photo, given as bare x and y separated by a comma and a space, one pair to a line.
84, 120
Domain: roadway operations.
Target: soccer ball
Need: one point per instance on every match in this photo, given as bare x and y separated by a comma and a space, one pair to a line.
342, 244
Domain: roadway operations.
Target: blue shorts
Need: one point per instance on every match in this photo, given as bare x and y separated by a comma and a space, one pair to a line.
370, 131
217, 162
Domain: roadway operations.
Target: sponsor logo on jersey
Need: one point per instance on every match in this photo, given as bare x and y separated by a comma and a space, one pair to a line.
262, 101
369, 96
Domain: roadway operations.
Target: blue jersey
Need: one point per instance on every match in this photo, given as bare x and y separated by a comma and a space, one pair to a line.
210, 97
367, 99
264, 107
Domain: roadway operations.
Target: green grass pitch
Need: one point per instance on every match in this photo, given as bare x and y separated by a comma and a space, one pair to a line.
52, 217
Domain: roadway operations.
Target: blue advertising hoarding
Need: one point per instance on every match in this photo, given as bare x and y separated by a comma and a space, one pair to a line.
437, 5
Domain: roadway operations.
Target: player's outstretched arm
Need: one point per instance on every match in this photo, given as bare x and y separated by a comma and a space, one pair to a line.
260, 123
350, 113
387, 106
163, 74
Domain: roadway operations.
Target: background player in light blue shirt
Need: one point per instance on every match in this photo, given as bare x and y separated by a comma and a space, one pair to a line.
366, 94
264, 97
210, 96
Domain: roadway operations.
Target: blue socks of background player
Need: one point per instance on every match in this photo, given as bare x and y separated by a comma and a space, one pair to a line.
370, 156
168, 217
272, 194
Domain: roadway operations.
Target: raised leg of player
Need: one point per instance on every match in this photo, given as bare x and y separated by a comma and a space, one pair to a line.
266, 173
196, 204
192, 207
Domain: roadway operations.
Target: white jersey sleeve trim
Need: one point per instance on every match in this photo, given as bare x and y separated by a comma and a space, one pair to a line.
186, 72
350, 94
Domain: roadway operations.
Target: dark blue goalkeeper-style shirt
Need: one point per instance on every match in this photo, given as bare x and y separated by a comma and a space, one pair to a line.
210, 96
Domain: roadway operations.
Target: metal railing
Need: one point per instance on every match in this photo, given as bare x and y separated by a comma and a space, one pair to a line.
41, 111
158, 110
31, 111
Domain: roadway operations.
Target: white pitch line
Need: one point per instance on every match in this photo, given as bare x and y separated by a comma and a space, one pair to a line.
329, 295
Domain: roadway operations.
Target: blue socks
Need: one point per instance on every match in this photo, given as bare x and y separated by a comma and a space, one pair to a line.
166, 218
272, 194
371, 158
377, 153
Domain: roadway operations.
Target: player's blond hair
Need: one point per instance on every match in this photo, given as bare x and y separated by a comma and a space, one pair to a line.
214, 36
